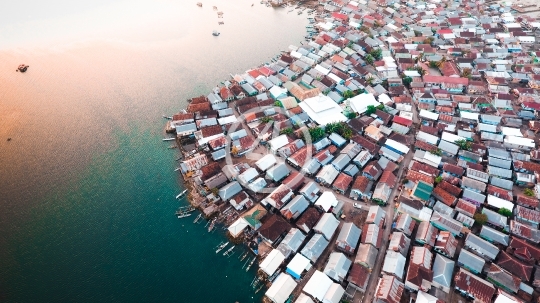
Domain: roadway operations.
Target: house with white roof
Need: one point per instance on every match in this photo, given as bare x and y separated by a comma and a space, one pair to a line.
323, 110
326, 201
337, 267
281, 288
327, 226
272, 261
297, 266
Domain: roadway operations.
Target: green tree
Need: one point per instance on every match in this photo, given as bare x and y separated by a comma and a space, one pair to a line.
316, 133
376, 53
380, 107
464, 144
407, 81
429, 40
286, 131
278, 103
370, 80
528, 192
405, 181
438, 179
214, 191
436, 152
505, 212
351, 115
421, 71
480, 218
348, 94
434, 64
370, 110
466, 73
369, 59
417, 33
266, 119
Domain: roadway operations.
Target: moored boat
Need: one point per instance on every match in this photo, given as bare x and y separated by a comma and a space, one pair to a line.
181, 194
222, 246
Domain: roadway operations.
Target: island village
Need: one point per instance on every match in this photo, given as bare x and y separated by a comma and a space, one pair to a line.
391, 157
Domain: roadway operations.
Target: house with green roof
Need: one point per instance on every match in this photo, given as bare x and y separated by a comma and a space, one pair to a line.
422, 191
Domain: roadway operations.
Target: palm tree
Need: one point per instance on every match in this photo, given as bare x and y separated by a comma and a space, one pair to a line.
370, 80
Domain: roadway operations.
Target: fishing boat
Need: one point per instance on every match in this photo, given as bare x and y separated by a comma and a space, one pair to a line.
183, 215
168, 139
242, 257
258, 289
197, 218
228, 251
22, 68
215, 33
167, 117
247, 260
251, 263
222, 246
211, 225
181, 194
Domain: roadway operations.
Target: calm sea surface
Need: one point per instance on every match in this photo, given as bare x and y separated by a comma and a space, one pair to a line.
86, 185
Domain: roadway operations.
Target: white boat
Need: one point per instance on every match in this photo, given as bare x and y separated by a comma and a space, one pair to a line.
222, 246
184, 215
215, 33
228, 250
168, 139
181, 194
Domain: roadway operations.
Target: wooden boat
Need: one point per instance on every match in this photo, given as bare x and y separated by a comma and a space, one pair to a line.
251, 263
258, 289
244, 256
22, 68
168, 139
198, 218
222, 246
228, 251
181, 194
183, 215
211, 225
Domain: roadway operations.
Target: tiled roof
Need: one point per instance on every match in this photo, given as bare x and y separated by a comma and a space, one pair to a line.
365, 143
425, 146
529, 166
527, 201
211, 131
300, 156
294, 180
308, 219
452, 189
524, 250
343, 181
482, 290
274, 227
514, 266
466, 207
500, 192
454, 169
416, 274
361, 183
421, 167
528, 214
524, 231
416, 176
444, 196
210, 170
359, 275
388, 178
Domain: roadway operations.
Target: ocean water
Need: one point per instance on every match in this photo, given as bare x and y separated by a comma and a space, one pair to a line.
87, 187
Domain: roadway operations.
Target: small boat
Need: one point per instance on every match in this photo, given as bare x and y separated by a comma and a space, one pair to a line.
199, 4
258, 289
167, 117
244, 256
169, 139
228, 250
251, 263
212, 224
222, 246
181, 194
183, 215
198, 218
300, 13
215, 33
22, 68
172, 146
